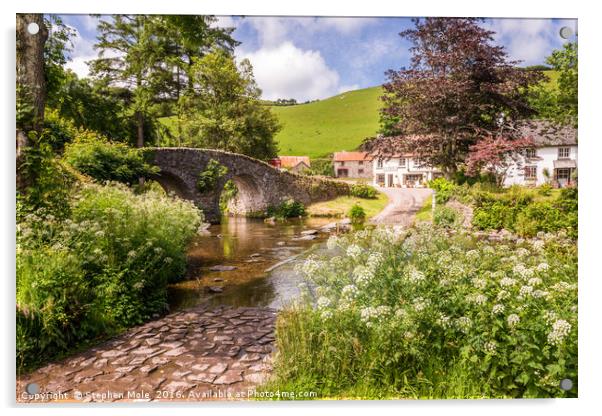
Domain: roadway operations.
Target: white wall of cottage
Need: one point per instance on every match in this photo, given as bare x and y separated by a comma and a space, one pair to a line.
545, 157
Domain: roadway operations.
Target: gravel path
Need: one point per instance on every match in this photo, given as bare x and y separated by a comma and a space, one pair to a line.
403, 205
196, 354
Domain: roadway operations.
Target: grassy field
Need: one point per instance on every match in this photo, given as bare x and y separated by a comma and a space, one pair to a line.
340, 206
334, 124
338, 123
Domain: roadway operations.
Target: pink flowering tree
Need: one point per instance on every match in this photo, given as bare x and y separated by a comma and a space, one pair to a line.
495, 155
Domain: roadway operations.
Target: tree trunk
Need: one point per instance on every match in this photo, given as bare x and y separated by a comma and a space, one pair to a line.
140, 129
31, 86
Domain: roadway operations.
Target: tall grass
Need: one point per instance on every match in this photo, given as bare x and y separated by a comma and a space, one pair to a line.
429, 315
104, 268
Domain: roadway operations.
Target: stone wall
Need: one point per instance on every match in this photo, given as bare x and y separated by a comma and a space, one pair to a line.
259, 184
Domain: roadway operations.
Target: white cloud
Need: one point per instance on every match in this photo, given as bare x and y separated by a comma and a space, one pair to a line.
285, 71
224, 22
528, 40
83, 50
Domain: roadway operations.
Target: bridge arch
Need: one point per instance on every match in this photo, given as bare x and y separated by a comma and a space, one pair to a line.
259, 184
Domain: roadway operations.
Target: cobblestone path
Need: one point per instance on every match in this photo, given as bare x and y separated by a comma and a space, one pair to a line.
196, 354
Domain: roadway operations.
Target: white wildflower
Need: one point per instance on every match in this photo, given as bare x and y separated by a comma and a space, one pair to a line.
472, 255
526, 290
420, 304
354, 251
415, 275
490, 347
362, 275
326, 314
323, 302
507, 281
560, 329
497, 309
479, 283
513, 320
374, 260
534, 281
349, 291
542, 267
464, 323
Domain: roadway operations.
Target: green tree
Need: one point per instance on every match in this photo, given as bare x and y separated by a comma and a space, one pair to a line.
224, 112
561, 103
130, 56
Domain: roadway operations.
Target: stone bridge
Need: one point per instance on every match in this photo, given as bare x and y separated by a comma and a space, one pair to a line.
259, 184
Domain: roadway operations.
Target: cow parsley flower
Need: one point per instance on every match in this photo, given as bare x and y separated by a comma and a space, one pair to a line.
415, 275
323, 302
542, 267
349, 291
362, 275
560, 329
497, 309
374, 260
534, 281
513, 320
479, 283
354, 251
472, 255
464, 323
420, 304
526, 290
507, 281
490, 347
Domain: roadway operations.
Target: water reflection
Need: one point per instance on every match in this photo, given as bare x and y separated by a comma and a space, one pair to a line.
253, 247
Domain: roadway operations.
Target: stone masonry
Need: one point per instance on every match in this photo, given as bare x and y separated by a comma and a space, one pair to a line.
197, 354
259, 184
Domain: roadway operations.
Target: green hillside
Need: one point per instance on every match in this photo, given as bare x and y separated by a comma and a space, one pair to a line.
336, 123
320, 128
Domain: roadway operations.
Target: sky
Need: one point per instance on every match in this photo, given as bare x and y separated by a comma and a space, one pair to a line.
308, 58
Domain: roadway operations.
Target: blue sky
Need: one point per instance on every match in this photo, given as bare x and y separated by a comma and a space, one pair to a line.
310, 58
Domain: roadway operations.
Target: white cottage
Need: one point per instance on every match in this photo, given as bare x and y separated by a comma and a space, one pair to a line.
553, 159
402, 171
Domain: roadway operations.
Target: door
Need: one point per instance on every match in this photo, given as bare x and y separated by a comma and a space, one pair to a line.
390, 180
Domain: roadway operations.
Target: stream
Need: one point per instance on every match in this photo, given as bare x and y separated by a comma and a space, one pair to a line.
260, 257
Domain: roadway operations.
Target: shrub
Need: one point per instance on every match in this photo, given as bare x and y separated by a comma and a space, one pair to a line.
287, 209
446, 216
421, 314
93, 155
208, 178
443, 188
545, 189
104, 268
357, 214
362, 190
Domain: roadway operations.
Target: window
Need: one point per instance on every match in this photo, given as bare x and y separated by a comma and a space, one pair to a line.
360, 171
564, 152
402, 161
531, 153
563, 173
530, 172
379, 164
361, 162
342, 163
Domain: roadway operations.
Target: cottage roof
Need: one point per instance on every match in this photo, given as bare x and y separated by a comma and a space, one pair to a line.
545, 133
351, 156
292, 161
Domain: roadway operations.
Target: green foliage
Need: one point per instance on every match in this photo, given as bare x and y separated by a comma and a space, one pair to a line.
422, 314
516, 210
561, 102
321, 167
104, 268
49, 180
287, 209
229, 192
443, 188
545, 189
362, 190
357, 214
446, 216
208, 178
225, 112
94, 156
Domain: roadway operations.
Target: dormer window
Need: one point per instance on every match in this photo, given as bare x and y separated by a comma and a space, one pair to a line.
402, 161
564, 152
379, 164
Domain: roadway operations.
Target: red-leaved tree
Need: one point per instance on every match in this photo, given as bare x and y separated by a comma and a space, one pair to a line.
460, 88
495, 155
